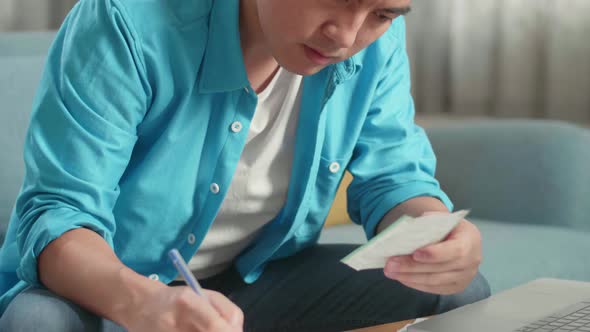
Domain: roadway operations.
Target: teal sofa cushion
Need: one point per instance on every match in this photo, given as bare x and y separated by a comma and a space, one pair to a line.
25, 43
519, 171
514, 254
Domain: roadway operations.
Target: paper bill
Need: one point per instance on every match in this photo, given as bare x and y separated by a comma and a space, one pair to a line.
403, 237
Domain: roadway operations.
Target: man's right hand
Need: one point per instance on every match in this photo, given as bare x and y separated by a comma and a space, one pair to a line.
180, 309
99, 282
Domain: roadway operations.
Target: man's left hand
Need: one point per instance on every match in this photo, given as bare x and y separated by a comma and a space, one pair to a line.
446, 267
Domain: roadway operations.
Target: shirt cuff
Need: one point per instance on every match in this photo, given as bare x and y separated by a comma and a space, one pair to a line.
48, 227
398, 196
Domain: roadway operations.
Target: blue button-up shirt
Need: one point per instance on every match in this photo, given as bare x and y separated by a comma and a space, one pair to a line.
131, 130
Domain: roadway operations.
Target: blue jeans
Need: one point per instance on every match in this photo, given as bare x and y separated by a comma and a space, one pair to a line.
311, 291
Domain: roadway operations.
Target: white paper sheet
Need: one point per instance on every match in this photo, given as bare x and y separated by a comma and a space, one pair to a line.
403, 237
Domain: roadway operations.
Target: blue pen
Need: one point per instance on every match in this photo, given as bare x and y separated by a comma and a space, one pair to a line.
186, 274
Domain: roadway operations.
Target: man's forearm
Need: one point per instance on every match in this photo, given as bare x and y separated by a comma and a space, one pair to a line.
413, 207
80, 266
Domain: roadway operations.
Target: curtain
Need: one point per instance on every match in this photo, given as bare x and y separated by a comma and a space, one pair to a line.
19, 15
504, 58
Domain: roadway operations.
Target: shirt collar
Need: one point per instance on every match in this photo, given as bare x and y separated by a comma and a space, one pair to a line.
346, 69
223, 65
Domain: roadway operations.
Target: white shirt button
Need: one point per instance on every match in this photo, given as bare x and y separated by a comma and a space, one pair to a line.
334, 167
191, 238
246, 89
236, 127
154, 277
214, 188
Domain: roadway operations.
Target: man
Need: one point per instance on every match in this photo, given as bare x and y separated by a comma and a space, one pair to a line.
223, 128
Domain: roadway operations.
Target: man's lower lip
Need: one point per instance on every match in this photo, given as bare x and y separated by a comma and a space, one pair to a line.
315, 56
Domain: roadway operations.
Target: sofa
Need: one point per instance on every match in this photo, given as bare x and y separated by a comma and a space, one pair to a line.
526, 182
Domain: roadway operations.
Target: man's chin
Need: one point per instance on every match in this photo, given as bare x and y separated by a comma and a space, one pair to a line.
303, 69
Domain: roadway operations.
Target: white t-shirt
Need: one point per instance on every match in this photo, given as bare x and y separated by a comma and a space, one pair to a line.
258, 189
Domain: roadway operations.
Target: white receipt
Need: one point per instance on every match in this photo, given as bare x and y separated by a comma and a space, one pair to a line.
403, 237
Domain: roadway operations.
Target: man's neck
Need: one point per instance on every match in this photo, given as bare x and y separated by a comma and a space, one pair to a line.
258, 60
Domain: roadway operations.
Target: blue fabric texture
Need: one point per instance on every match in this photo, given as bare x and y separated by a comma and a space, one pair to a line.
131, 125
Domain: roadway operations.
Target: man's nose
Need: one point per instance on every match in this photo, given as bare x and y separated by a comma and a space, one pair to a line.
344, 29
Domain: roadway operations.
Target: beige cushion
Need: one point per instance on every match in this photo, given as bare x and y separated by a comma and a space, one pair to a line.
338, 214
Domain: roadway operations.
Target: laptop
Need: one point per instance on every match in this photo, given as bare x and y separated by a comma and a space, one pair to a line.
541, 305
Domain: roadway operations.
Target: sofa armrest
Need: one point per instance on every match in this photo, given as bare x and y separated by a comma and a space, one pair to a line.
523, 171
30, 43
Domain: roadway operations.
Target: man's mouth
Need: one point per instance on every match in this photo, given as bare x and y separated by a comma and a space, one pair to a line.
318, 57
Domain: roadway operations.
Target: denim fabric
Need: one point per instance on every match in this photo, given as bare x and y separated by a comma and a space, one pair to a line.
37, 309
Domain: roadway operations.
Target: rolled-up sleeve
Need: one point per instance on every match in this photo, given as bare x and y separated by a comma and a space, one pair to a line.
393, 160
92, 96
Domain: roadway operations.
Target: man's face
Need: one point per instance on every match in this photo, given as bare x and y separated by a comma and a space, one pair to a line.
305, 36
